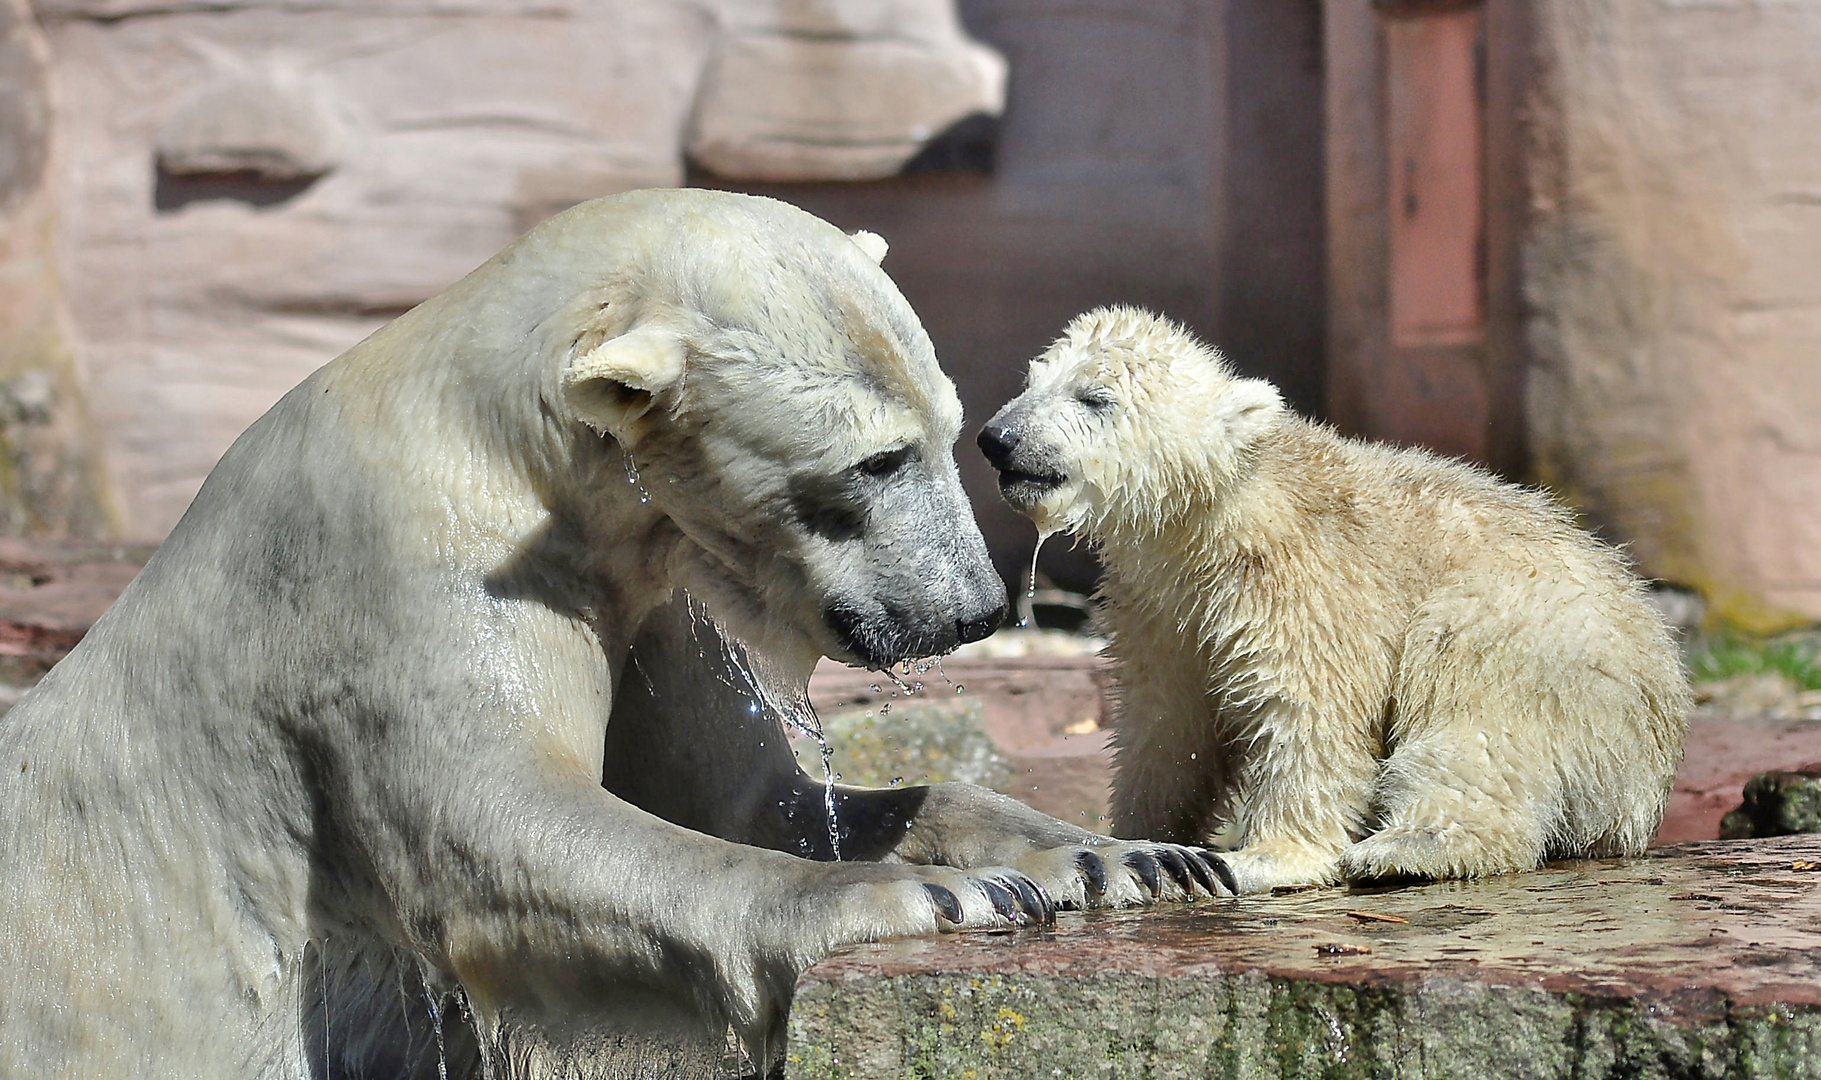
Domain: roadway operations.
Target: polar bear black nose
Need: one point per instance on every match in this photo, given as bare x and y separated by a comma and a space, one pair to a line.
977, 628
997, 441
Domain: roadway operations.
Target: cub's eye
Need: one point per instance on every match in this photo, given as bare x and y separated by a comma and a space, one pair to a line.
886, 462
1097, 398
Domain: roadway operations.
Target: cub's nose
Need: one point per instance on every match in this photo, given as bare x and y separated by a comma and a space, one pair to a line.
997, 441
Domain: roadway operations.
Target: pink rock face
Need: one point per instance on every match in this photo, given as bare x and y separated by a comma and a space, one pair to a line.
249, 188
1673, 288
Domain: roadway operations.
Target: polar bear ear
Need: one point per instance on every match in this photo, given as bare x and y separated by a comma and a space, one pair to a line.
1247, 408
612, 386
872, 243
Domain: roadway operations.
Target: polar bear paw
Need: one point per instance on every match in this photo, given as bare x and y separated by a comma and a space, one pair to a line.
1256, 870
995, 896
1127, 874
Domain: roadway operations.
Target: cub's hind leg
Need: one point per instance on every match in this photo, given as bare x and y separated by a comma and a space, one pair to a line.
1472, 784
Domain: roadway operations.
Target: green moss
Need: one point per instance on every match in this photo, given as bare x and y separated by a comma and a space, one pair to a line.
1730, 654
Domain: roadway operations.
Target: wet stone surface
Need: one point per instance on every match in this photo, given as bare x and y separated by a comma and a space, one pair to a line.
1702, 960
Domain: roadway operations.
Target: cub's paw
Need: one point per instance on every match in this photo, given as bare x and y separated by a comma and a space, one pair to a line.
993, 897
1256, 870
1451, 851
1127, 873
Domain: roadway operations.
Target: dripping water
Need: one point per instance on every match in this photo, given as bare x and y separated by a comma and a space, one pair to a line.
480, 1034
1027, 604
796, 713
632, 475
436, 1025
828, 791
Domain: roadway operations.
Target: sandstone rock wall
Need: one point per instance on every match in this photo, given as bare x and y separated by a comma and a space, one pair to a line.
1673, 276
50, 483
250, 186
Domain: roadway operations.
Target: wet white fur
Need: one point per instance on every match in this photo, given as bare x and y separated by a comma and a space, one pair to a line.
1376, 661
345, 731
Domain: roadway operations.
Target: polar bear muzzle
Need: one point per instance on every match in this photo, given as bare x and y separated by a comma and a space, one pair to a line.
889, 633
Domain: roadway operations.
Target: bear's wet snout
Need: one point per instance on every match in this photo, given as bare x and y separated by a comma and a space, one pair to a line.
980, 626
997, 441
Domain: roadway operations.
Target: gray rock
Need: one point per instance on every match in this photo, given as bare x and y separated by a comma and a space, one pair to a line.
921, 743
1777, 803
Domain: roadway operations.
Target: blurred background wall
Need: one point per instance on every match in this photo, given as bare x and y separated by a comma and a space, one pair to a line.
1571, 239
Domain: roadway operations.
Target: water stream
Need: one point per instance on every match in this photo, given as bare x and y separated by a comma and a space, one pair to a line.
796, 713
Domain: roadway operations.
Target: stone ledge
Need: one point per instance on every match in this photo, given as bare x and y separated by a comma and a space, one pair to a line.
1702, 960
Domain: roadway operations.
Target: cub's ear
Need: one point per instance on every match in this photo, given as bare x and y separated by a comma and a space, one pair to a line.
612, 386
1247, 407
872, 243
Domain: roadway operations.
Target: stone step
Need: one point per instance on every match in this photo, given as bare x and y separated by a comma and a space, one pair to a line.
1699, 960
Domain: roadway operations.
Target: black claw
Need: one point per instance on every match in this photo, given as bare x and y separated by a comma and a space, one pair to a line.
1003, 901
1203, 876
1145, 867
1049, 904
1094, 870
1221, 870
947, 905
1178, 867
1031, 898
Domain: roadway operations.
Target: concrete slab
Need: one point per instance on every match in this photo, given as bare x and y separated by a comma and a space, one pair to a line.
1701, 960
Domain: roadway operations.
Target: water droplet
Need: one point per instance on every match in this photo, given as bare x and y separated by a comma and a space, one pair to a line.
896, 780
1026, 606
959, 689
876, 688
632, 475
885, 708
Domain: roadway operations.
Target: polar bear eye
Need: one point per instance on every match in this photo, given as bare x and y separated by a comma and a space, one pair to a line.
886, 462
1097, 398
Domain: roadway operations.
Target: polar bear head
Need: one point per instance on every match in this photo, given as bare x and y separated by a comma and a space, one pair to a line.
1124, 421
781, 405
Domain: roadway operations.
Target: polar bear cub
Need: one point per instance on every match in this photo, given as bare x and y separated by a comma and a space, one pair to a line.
1373, 662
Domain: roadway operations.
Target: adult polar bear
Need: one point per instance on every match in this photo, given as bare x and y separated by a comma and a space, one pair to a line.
352, 721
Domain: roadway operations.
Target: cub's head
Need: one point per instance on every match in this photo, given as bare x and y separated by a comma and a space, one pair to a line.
782, 406
1124, 419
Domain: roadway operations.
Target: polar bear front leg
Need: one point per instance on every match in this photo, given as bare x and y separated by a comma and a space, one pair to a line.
1304, 796
552, 902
